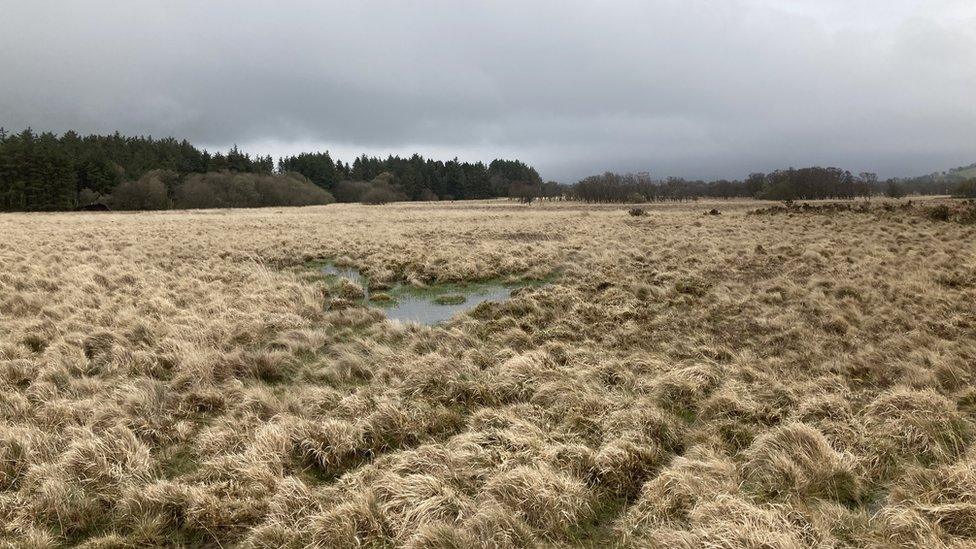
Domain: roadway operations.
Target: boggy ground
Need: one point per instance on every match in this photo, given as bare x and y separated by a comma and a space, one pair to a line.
737, 380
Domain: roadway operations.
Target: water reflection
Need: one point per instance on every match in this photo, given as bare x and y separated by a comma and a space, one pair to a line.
413, 305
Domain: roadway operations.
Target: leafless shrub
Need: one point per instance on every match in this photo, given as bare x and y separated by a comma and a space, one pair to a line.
240, 190
148, 193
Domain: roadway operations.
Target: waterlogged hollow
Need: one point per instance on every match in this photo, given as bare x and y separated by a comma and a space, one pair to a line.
430, 305
348, 273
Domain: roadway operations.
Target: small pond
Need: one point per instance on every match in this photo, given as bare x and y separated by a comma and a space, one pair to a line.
430, 305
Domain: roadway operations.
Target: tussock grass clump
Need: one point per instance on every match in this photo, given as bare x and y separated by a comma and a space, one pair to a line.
908, 426
79, 491
796, 460
496, 526
669, 497
518, 378
621, 465
450, 299
931, 504
350, 290
546, 499
414, 501
730, 521
330, 445
685, 389
19, 448
637, 441
350, 524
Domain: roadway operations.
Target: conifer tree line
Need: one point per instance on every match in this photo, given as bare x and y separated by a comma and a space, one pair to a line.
45, 171
50, 172
394, 178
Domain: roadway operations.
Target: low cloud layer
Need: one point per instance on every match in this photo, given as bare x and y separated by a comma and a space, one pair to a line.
691, 87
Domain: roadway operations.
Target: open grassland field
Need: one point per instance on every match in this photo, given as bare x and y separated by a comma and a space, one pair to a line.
794, 378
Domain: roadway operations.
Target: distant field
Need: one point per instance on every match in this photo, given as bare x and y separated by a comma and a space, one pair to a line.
784, 379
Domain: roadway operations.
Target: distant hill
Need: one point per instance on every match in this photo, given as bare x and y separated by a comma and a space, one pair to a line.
946, 182
965, 172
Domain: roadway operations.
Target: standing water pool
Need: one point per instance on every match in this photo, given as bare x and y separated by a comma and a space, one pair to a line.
429, 305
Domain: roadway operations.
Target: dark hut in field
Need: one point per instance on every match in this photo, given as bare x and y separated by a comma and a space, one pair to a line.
93, 207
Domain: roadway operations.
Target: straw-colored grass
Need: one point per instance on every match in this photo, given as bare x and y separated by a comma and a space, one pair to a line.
788, 379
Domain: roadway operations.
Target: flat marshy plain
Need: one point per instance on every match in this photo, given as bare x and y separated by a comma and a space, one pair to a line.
790, 378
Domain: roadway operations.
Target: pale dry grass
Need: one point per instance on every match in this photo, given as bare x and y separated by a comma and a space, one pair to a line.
789, 380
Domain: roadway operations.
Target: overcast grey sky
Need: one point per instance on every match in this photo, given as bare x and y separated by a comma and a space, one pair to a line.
675, 87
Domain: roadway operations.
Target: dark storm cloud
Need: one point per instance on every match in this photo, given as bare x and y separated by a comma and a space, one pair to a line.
694, 88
